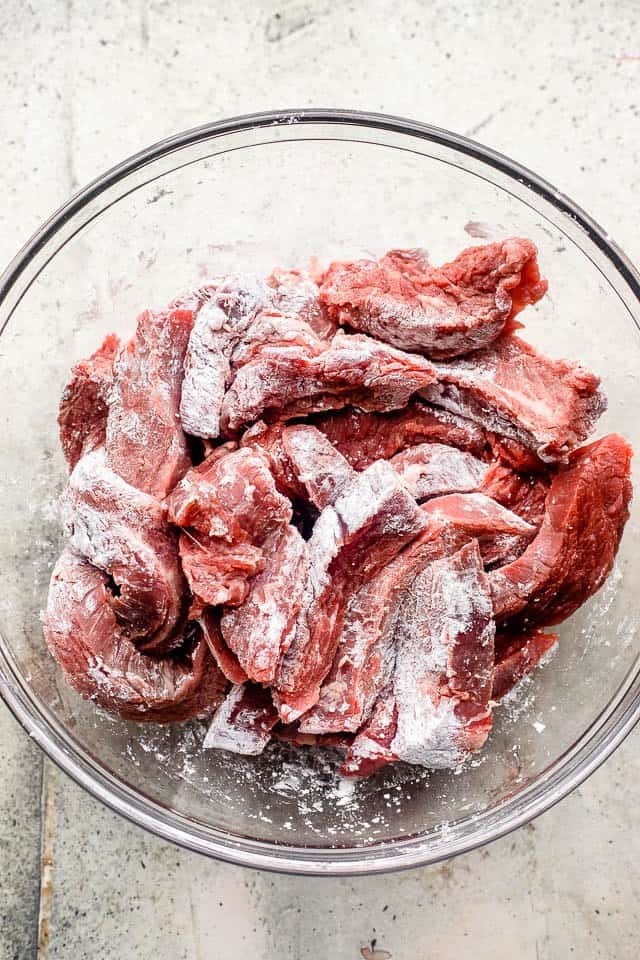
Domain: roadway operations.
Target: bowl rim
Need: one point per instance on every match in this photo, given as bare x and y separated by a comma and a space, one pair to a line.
565, 774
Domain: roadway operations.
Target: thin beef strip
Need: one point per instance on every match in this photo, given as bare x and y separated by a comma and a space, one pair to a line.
145, 442
439, 708
318, 467
103, 665
84, 404
549, 406
435, 469
365, 655
363, 437
291, 382
570, 558
124, 532
243, 722
260, 630
209, 622
441, 311
351, 541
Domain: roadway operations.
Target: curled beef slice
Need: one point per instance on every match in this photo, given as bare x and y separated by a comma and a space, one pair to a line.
443, 674
233, 497
85, 402
295, 292
243, 722
222, 317
260, 630
435, 469
516, 656
570, 558
549, 406
145, 442
363, 437
290, 382
441, 311
124, 532
365, 654
209, 621
352, 540
103, 665
218, 572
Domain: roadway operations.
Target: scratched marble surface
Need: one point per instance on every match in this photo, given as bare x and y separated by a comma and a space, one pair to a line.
553, 84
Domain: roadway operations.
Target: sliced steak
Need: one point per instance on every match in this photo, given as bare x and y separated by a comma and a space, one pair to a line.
287, 382
85, 402
441, 311
571, 556
145, 442
295, 293
364, 659
103, 665
124, 532
435, 469
549, 406
371, 749
217, 571
261, 629
243, 722
364, 437
516, 656
352, 540
318, 467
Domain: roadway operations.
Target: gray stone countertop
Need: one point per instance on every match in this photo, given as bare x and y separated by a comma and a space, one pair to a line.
555, 85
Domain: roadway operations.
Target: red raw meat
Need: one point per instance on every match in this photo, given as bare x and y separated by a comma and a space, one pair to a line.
102, 665
226, 659
260, 631
364, 659
442, 311
443, 677
296, 293
435, 469
371, 749
234, 317
145, 442
500, 532
217, 571
225, 310
84, 404
318, 467
509, 388
267, 438
515, 455
289, 382
233, 497
572, 555
351, 541
516, 656
124, 532
243, 723
526, 496
363, 437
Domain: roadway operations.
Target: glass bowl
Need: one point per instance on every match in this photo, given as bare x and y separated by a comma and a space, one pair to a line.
252, 193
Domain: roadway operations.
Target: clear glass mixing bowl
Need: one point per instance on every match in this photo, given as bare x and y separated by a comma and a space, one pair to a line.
252, 193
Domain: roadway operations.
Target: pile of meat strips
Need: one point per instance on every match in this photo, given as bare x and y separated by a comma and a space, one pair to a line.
338, 511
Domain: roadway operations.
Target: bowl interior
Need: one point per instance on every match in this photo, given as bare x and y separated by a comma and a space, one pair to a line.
249, 200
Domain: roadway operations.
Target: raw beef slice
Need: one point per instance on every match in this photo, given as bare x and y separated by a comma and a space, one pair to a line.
124, 532
435, 469
85, 402
352, 540
102, 665
145, 442
570, 558
516, 656
438, 709
363, 437
441, 311
509, 388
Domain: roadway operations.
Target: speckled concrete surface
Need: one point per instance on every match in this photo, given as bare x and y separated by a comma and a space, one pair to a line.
554, 84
